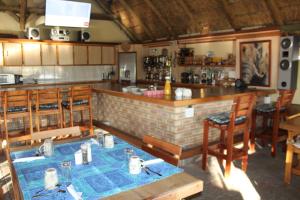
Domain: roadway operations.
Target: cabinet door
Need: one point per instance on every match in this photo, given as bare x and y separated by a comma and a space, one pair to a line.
95, 55
12, 54
108, 55
31, 54
1, 54
65, 54
80, 55
49, 56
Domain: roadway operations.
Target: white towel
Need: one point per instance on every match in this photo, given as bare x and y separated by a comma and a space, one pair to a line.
72, 191
153, 161
29, 159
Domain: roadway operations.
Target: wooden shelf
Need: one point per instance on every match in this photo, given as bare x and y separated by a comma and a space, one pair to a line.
199, 65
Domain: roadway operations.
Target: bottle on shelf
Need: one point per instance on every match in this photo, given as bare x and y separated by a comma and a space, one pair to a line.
168, 86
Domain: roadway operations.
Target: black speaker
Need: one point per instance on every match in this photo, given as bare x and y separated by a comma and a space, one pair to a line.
288, 62
84, 36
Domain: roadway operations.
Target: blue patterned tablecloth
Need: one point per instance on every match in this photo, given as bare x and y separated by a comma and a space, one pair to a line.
106, 175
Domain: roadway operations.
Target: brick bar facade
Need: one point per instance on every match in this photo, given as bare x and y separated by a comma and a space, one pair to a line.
164, 122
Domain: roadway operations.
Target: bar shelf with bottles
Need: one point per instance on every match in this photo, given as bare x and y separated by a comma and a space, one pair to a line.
157, 67
186, 57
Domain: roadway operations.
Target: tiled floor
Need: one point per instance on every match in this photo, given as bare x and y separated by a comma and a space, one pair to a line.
264, 179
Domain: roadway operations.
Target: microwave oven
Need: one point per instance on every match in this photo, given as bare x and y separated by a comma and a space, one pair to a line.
7, 79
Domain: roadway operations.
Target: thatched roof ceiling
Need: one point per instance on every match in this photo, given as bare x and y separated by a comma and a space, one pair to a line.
150, 20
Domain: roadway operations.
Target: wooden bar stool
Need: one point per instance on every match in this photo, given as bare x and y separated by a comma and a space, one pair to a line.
275, 112
167, 151
79, 100
17, 105
236, 121
48, 102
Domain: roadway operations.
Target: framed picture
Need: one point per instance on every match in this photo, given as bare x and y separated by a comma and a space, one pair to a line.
255, 63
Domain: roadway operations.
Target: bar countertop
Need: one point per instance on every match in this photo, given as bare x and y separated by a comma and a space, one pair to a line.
200, 95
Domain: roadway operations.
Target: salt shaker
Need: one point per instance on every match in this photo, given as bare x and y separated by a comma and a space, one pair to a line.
84, 151
89, 152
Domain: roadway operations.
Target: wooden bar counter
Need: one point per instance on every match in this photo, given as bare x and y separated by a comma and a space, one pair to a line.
175, 121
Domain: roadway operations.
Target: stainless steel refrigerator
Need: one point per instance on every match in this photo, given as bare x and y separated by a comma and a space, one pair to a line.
127, 67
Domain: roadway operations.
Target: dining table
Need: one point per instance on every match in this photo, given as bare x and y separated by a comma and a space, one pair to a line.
292, 125
106, 176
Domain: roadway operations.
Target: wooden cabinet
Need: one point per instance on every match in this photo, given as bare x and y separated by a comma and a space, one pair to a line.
31, 54
65, 54
1, 54
108, 55
95, 55
80, 55
49, 56
12, 54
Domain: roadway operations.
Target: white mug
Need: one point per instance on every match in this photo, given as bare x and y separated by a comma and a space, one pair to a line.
108, 141
135, 165
47, 148
51, 179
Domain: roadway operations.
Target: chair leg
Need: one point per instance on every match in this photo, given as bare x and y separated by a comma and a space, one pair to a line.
222, 141
71, 117
245, 150
205, 145
37, 122
288, 164
81, 116
91, 121
229, 153
63, 118
253, 130
275, 134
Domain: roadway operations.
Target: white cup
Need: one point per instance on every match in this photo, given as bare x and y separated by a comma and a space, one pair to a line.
47, 148
178, 92
135, 165
267, 100
187, 92
108, 141
50, 179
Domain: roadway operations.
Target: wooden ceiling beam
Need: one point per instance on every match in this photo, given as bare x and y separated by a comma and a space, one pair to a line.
117, 21
274, 12
188, 13
226, 11
159, 16
128, 8
23, 7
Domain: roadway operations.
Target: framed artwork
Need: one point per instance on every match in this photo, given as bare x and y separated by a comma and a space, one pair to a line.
255, 63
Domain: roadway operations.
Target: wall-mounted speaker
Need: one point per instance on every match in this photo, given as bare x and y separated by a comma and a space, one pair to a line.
33, 33
288, 62
84, 36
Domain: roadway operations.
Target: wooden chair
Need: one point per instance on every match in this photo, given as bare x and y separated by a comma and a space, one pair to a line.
238, 120
48, 102
17, 104
74, 131
167, 151
276, 113
292, 148
79, 99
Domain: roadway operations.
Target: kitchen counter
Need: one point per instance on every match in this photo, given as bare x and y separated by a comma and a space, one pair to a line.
199, 95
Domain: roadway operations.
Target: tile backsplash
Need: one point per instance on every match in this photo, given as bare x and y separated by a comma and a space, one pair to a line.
54, 74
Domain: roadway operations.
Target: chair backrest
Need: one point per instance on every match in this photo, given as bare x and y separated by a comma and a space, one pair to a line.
70, 131
81, 93
285, 98
17, 98
167, 151
48, 96
243, 106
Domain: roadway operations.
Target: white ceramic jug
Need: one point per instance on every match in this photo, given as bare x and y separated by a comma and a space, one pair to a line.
47, 148
135, 165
